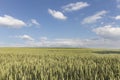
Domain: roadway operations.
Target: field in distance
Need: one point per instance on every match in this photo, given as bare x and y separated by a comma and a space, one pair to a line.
59, 64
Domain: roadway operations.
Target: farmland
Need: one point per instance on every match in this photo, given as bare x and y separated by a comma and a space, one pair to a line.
59, 64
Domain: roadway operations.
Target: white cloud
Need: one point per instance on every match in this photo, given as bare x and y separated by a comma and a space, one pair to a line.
57, 14
75, 6
43, 38
9, 21
46, 42
33, 22
117, 17
25, 37
94, 18
108, 32
89, 43
102, 43
12, 45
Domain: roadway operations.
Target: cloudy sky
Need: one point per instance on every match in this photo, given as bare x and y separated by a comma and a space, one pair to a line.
63, 23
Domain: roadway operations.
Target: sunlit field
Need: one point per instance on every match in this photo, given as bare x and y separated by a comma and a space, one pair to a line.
59, 64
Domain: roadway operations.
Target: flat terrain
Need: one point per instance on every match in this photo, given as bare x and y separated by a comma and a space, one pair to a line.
59, 64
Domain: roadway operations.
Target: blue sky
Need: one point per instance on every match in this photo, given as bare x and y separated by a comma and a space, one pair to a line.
63, 23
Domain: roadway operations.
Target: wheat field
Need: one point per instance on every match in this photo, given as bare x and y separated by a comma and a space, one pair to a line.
59, 64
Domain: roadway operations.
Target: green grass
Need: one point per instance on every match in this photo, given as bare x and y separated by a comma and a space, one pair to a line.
59, 64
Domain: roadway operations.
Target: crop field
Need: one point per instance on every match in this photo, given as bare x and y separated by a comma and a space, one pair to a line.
59, 64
